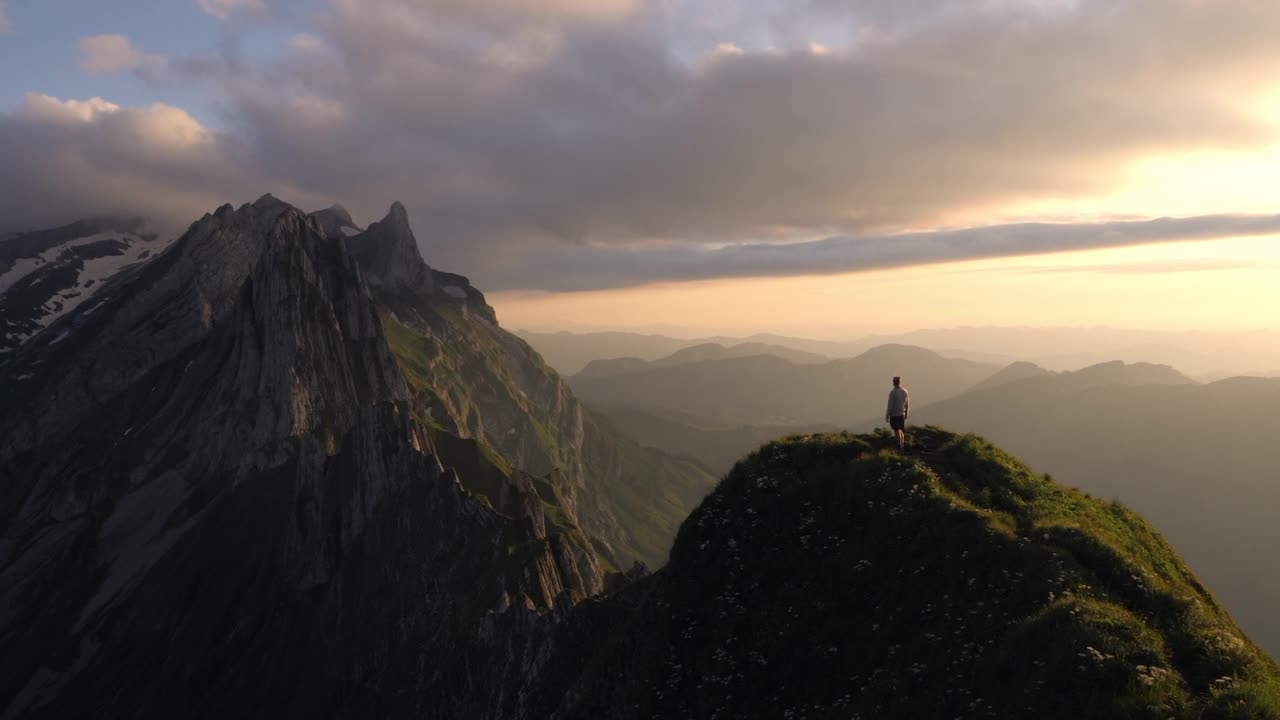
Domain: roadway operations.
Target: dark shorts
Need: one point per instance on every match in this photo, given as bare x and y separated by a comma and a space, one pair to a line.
898, 422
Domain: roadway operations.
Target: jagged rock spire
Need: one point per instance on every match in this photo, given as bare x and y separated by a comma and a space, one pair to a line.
389, 256
336, 222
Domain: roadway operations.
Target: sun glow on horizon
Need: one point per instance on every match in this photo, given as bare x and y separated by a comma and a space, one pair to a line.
1202, 285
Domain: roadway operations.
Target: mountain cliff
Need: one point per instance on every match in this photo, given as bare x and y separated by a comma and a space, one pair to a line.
218, 500
470, 378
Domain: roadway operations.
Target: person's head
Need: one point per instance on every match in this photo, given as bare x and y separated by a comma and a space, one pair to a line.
897, 381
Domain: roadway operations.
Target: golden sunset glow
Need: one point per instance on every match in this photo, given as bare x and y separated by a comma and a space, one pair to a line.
1215, 284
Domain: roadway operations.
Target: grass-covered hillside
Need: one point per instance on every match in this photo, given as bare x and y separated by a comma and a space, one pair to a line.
1198, 461
829, 577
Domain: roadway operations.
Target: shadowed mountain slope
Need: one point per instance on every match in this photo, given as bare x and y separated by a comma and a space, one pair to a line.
223, 492
470, 378
718, 446
235, 514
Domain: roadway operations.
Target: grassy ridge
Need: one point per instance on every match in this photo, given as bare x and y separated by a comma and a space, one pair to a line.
829, 577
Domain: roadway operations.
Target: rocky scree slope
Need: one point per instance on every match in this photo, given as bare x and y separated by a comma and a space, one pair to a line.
827, 577
216, 502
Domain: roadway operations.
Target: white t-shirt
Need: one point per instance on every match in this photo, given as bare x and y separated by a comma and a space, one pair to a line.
898, 402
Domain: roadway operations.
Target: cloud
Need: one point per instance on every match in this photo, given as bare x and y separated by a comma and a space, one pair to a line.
112, 53
306, 43
71, 159
592, 132
1159, 268
606, 267
4, 16
536, 143
228, 9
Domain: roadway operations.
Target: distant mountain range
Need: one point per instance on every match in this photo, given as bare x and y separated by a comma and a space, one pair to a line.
698, 353
1204, 355
770, 390
569, 352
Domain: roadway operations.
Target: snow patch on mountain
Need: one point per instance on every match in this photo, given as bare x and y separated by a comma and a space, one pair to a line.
39, 289
22, 267
95, 272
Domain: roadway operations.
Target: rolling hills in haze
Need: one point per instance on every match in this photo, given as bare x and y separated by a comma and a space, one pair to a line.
767, 390
569, 352
1202, 355
698, 353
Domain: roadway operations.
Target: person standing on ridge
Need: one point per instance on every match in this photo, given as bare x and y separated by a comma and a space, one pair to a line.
896, 414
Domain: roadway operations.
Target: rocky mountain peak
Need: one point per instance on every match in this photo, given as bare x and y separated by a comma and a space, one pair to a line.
341, 213
398, 213
335, 222
268, 201
231, 438
388, 253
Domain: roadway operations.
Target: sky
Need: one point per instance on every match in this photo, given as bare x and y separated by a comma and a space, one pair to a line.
808, 167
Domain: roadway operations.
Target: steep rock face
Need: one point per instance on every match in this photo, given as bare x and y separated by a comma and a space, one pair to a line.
472, 378
226, 507
336, 222
389, 254
826, 578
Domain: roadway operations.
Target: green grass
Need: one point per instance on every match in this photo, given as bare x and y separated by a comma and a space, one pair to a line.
827, 576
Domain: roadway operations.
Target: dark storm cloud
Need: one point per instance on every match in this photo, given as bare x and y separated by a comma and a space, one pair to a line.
580, 143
